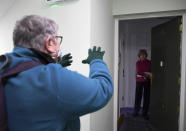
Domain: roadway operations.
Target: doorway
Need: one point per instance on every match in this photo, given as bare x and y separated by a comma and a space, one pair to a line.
151, 34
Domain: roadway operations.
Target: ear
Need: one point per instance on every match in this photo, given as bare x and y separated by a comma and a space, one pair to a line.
49, 46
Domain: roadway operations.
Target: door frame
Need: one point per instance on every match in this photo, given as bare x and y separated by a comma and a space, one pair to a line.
182, 118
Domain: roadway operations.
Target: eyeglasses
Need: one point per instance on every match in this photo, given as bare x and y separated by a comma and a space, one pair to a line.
59, 39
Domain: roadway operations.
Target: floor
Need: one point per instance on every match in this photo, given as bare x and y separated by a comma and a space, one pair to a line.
130, 123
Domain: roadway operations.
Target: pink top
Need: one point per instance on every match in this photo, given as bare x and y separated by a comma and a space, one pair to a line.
141, 67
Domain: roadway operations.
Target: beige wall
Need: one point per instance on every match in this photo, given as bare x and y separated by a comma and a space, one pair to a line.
121, 7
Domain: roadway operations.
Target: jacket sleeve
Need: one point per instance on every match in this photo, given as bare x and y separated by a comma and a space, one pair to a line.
79, 95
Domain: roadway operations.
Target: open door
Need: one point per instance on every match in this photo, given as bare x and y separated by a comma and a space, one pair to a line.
165, 90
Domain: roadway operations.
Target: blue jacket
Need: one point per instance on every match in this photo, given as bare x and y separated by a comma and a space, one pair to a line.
51, 97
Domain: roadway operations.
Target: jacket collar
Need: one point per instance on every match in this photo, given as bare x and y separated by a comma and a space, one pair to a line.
33, 54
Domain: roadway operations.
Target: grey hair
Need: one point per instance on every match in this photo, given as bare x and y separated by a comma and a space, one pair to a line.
31, 31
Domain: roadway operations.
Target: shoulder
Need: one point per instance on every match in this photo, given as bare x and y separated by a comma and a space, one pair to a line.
58, 72
53, 68
50, 69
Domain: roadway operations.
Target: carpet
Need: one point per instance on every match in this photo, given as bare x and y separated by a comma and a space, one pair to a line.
131, 123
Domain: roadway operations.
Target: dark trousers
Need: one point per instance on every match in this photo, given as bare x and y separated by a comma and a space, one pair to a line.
142, 88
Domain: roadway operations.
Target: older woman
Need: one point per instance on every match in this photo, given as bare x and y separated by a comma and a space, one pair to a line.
143, 69
48, 97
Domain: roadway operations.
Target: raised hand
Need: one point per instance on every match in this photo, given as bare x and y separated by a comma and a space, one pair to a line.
94, 54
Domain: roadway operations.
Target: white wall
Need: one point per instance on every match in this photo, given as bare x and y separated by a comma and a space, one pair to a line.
121, 7
5, 6
102, 34
74, 24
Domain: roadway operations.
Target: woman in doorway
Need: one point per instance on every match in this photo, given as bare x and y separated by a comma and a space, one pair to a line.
143, 73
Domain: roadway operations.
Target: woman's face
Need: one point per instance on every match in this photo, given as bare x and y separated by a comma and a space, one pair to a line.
142, 57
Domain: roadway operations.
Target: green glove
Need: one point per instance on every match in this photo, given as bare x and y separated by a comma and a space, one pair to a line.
65, 60
94, 54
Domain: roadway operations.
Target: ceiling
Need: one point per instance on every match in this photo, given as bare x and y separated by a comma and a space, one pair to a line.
5, 5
